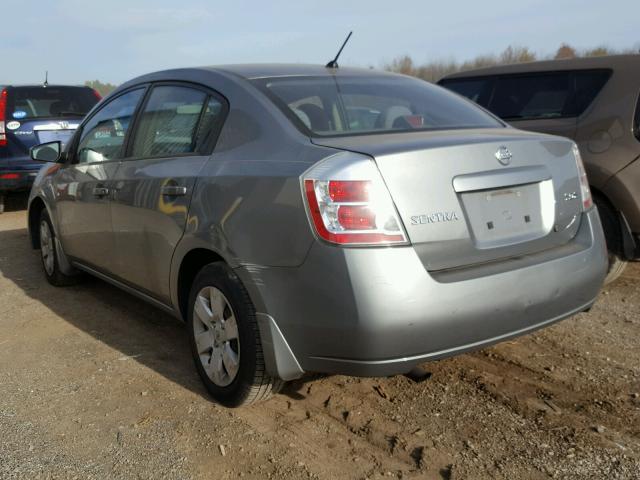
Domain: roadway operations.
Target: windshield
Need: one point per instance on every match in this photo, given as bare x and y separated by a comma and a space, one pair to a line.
334, 105
26, 103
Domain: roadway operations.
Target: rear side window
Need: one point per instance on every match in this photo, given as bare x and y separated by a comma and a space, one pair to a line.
535, 96
337, 105
475, 89
587, 87
103, 136
175, 120
26, 103
543, 95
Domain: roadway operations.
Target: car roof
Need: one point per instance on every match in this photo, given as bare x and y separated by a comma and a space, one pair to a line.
586, 63
41, 86
263, 70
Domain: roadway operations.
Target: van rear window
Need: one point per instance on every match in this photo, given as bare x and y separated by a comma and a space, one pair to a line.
49, 102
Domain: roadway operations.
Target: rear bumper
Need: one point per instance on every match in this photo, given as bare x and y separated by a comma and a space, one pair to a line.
378, 312
17, 180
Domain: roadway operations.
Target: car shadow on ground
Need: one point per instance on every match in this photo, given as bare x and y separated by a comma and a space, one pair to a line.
119, 320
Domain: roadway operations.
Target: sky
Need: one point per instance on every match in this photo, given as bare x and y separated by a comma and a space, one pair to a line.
116, 40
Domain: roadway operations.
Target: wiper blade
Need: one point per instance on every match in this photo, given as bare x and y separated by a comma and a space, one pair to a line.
72, 114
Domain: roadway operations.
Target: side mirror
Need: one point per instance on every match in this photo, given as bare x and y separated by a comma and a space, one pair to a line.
46, 152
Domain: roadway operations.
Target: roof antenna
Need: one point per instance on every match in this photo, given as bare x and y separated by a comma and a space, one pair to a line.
46, 79
334, 63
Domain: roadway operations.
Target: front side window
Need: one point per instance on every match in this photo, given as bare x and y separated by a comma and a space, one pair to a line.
103, 136
169, 123
335, 105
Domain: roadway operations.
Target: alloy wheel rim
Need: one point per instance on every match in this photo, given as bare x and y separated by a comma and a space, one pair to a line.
46, 247
215, 330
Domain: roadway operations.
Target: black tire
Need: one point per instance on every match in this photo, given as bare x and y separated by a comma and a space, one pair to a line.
54, 276
613, 236
252, 383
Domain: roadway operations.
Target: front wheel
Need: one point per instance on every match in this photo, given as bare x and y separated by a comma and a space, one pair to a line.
49, 254
225, 340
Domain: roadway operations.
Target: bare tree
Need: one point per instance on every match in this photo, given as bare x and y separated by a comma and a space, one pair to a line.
102, 88
517, 55
598, 52
565, 51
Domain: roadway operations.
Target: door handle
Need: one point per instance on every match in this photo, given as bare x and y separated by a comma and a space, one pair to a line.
101, 191
174, 190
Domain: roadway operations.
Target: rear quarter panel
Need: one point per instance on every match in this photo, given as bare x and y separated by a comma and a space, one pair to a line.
247, 204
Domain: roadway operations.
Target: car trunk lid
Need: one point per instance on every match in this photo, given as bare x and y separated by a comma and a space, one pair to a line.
474, 196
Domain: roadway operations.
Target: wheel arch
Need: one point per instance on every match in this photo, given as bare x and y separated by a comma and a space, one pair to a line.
621, 241
190, 264
33, 219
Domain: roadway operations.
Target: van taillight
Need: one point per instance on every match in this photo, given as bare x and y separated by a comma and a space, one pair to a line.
97, 94
585, 191
3, 112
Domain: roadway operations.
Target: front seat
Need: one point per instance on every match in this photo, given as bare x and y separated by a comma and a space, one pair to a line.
394, 113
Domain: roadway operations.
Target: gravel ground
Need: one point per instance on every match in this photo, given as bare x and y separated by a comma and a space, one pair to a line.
96, 384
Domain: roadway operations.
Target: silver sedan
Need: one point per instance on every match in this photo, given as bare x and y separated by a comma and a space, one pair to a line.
311, 219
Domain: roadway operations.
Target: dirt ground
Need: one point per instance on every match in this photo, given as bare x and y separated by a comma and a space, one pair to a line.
96, 384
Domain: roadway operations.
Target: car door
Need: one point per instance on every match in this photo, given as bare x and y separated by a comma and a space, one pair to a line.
83, 184
173, 138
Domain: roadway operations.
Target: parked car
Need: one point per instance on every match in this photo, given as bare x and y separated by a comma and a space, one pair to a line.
594, 101
292, 233
34, 114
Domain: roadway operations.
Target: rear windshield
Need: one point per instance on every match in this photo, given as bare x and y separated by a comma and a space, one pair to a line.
49, 102
332, 106
533, 96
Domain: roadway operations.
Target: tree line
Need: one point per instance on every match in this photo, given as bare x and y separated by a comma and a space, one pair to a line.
434, 70
103, 89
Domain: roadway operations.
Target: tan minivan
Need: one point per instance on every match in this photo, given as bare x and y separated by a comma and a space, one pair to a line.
595, 102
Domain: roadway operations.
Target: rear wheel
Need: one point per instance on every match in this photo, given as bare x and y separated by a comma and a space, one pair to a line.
49, 254
613, 235
225, 340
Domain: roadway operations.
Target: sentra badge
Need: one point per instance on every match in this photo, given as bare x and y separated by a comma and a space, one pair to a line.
437, 217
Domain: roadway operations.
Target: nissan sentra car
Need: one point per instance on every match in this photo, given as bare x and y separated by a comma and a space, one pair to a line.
34, 114
311, 219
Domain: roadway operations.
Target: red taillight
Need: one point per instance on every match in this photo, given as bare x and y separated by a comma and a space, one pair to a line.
9, 176
97, 94
3, 113
352, 191
352, 212
356, 218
